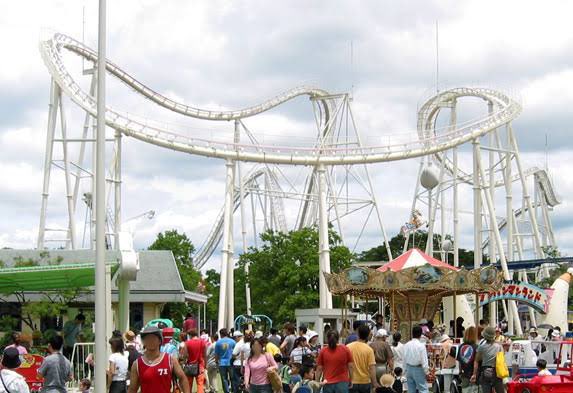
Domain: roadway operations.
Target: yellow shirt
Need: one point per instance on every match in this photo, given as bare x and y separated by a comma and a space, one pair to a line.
272, 349
363, 358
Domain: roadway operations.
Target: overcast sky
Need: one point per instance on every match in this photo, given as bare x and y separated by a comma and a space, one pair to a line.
231, 54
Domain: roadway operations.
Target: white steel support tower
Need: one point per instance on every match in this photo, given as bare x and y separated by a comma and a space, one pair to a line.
508, 231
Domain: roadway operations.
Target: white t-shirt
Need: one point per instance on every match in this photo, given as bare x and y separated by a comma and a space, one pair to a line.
241, 347
121, 362
14, 382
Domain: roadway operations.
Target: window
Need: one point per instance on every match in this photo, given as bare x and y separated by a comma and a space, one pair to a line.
136, 316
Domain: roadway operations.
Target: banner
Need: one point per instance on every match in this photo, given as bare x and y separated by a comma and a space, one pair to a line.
530, 294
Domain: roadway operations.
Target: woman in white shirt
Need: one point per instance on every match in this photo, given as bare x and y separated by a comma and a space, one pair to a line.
397, 350
118, 363
10, 380
300, 350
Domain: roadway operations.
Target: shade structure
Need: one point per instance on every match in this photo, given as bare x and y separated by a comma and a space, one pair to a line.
45, 278
413, 258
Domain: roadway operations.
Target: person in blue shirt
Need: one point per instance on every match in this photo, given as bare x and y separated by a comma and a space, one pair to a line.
223, 354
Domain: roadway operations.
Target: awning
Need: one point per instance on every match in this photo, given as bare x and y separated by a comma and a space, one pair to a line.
413, 258
43, 278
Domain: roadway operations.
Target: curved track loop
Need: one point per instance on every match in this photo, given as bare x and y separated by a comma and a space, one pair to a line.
50, 49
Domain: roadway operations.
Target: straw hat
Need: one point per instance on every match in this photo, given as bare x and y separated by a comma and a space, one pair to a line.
129, 336
387, 380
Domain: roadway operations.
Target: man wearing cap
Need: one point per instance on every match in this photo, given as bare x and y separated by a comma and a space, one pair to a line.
10, 380
241, 353
486, 355
382, 353
153, 372
534, 336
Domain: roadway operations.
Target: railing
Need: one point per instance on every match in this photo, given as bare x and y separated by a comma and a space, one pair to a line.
82, 364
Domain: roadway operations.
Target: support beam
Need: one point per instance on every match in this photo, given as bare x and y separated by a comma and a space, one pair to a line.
227, 250
101, 285
491, 190
324, 248
52, 114
502, 259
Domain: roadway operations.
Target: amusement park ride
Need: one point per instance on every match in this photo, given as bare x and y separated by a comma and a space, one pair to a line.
511, 204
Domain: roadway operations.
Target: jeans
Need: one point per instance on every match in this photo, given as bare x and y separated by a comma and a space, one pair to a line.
447, 383
260, 388
236, 378
225, 372
340, 387
361, 388
118, 387
416, 378
200, 381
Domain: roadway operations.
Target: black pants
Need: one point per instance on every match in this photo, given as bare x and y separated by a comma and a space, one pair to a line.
361, 388
118, 387
67, 352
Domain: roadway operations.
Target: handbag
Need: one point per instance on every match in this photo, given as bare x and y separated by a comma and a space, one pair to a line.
274, 377
191, 369
501, 369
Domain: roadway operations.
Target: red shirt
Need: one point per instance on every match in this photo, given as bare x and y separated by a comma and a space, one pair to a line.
196, 351
334, 364
155, 378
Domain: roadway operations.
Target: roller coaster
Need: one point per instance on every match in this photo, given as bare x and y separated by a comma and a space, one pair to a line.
337, 148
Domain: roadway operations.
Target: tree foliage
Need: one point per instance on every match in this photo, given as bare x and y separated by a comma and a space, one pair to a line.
284, 272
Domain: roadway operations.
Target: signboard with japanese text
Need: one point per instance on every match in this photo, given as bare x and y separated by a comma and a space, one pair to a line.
536, 297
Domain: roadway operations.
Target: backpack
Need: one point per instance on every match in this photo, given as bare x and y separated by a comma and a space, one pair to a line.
304, 387
133, 355
466, 357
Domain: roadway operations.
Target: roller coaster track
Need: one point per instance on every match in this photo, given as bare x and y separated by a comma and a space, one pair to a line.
414, 146
544, 183
214, 237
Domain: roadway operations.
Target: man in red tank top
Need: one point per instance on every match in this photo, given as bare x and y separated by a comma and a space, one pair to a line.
195, 352
154, 371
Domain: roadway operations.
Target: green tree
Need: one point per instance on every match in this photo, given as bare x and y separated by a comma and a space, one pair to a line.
212, 284
284, 273
379, 253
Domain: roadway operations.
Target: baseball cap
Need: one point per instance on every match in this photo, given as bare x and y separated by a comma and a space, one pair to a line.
381, 333
237, 333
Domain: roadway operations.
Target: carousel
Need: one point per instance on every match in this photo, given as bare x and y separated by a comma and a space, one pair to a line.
414, 285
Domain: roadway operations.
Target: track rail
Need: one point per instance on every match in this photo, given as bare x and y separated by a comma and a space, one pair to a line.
415, 147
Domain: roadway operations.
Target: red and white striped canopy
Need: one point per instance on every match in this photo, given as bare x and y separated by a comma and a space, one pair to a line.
412, 258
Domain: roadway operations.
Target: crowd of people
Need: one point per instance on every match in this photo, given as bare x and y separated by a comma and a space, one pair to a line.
362, 360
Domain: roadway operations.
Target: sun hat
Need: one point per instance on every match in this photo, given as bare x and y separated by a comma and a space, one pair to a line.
11, 358
444, 338
533, 330
555, 333
129, 335
488, 333
237, 333
387, 380
312, 335
258, 334
423, 321
151, 330
381, 333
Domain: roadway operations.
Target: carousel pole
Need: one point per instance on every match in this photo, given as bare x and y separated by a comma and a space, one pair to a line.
455, 317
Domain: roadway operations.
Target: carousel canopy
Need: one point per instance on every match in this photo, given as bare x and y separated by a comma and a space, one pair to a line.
413, 258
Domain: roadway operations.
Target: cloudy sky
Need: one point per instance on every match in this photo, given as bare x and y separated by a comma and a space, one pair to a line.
231, 54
